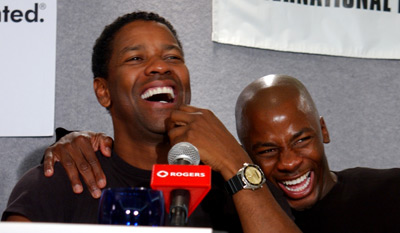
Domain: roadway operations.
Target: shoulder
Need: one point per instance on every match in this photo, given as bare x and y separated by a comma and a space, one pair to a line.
367, 181
358, 173
34, 192
33, 179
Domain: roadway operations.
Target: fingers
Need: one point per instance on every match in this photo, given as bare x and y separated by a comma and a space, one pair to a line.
48, 162
178, 125
106, 144
188, 123
218, 148
70, 167
88, 165
178, 134
177, 119
76, 153
183, 116
190, 109
103, 143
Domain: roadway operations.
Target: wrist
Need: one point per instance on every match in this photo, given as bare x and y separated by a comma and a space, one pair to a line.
229, 171
231, 166
250, 176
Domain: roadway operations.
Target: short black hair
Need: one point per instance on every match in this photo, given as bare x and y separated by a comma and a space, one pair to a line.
102, 48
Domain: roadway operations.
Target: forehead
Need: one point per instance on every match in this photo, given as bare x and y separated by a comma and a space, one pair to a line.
276, 117
143, 32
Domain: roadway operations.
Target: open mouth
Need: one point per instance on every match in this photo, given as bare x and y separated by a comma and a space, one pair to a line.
297, 185
159, 94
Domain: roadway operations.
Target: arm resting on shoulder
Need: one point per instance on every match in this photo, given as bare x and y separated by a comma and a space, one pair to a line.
76, 152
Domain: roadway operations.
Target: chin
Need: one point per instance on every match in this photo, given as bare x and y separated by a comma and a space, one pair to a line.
302, 204
159, 129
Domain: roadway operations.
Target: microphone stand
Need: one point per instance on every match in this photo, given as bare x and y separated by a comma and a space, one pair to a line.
179, 202
179, 207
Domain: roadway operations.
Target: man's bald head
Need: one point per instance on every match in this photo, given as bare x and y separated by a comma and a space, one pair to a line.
270, 92
280, 128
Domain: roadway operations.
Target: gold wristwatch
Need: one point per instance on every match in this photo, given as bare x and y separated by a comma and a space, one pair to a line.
250, 176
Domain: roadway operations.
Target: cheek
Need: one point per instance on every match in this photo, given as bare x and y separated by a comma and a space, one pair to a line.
267, 165
188, 93
185, 80
121, 88
314, 151
315, 154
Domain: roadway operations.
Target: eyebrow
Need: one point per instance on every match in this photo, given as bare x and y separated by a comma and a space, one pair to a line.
131, 48
172, 47
139, 47
298, 134
270, 144
262, 144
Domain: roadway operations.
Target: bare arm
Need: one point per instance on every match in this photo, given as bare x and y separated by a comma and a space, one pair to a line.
76, 152
17, 218
259, 212
258, 209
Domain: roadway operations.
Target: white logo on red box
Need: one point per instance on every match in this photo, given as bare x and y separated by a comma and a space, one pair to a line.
164, 174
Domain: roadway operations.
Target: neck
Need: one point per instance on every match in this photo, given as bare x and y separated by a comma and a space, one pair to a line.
141, 152
331, 180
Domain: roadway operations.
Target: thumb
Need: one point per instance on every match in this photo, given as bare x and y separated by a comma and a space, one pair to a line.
106, 144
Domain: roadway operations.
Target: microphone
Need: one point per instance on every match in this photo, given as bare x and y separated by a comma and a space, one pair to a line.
183, 185
183, 153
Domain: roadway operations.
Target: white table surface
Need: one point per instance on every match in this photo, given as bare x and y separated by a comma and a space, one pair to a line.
22, 227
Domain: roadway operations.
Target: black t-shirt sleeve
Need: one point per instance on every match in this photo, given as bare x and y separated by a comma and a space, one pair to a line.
37, 197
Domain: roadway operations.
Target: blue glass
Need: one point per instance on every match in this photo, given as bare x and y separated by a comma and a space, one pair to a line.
131, 206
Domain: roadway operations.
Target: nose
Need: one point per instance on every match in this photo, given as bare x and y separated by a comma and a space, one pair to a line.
289, 161
157, 66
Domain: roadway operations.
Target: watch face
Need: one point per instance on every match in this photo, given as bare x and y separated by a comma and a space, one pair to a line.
253, 175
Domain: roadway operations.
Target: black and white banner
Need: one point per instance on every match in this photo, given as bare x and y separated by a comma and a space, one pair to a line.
27, 61
353, 28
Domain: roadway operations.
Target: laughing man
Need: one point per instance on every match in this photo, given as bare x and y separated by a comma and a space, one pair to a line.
141, 78
279, 126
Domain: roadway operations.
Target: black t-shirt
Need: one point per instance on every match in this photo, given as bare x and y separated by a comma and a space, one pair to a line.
363, 200
51, 199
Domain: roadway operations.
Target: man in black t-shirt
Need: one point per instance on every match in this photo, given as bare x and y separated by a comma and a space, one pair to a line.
141, 78
362, 200
280, 128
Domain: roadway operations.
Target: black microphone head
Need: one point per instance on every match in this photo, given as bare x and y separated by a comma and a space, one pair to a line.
183, 152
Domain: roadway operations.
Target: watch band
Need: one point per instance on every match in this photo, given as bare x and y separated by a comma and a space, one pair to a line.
241, 179
234, 185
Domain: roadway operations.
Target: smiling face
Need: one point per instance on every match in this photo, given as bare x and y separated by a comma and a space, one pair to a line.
284, 135
147, 78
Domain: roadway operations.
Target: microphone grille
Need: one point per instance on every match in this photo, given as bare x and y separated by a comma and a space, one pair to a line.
183, 151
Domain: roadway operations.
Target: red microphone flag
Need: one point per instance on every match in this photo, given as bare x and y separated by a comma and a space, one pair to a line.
194, 178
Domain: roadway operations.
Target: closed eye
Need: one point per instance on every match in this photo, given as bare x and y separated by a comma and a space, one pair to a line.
267, 152
174, 58
302, 141
134, 59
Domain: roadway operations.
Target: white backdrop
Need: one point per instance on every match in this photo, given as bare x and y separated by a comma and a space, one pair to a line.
28, 60
341, 28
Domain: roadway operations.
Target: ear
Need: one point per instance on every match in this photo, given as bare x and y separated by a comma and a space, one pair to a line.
100, 86
324, 130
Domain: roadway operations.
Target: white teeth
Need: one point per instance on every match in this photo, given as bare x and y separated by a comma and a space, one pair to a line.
301, 188
296, 181
158, 90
